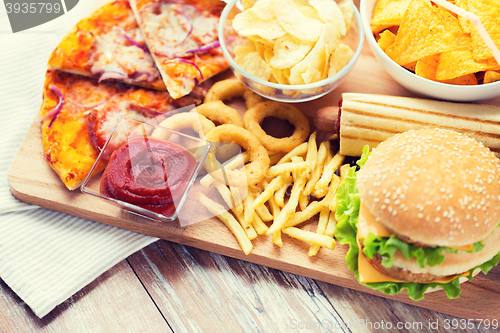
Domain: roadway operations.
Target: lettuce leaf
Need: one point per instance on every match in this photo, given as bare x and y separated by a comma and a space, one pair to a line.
348, 203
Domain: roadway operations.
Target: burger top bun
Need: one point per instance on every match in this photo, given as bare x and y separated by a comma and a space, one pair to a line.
431, 186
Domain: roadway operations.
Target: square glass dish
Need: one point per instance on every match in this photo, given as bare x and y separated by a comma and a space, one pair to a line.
146, 169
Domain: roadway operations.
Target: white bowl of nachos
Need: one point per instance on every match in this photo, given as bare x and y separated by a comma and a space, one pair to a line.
312, 69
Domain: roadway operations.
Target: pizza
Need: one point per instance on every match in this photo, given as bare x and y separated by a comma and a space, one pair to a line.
108, 45
182, 37
79, 113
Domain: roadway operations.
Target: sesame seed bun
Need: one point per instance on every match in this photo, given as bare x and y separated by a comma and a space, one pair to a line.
433, 187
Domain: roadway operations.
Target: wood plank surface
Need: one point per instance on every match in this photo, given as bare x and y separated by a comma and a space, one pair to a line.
199, 291
42, 187
114, 302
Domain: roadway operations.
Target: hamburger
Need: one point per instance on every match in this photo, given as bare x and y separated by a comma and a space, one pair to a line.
421, 212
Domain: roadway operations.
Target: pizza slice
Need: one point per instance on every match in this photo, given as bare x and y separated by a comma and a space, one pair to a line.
108, 45
78, 114
183, 39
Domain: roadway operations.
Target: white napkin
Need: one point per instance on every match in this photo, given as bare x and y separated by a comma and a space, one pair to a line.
45, 256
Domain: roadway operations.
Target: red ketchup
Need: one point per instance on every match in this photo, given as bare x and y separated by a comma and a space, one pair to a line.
148, 173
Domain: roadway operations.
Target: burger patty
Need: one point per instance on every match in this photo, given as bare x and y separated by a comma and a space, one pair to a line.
402, 274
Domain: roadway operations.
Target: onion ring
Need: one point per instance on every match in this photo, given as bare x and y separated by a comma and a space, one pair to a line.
228, 89
255, 115
180, 121
219, 113
253, 172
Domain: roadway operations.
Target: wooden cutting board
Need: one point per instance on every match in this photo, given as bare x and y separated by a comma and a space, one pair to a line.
32, 180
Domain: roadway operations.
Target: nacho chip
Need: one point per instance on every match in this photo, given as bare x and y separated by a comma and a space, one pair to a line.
289, 51
428, 67
459, 63
388, 13
294, 22
488, 12
387, 38
491, 76
422, 33
339, 59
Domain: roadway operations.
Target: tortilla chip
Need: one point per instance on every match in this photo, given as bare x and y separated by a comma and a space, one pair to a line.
422, 33
388, 13
428, 67
387, 38
459, 63
488, 12
491, 76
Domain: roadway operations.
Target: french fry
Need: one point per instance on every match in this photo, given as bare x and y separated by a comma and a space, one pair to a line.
299, 217
228, 220
329, 199
275, 209
248, 211
264, 213
249, 229
290, 206
279, 195
259, 225
268, 192
285, 168
225, 193
318, 167
303, 200
330, 227
343, 171
324, 214
311, 237
312, 150
238, 201
329, 170
275, 158
297, 151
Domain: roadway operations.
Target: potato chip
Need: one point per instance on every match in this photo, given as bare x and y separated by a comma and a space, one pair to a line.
422, 33
246, 47
330, 12
289, 51
388, 13
258, 21
294, 22
339, 58
346, 8
387, 38
489, 13
248, 3
491, 76
255, 65
316, 59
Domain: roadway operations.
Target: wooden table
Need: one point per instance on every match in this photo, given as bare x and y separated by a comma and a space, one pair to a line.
168, 287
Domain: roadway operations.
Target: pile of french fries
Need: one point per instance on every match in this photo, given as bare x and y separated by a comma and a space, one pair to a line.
310, 171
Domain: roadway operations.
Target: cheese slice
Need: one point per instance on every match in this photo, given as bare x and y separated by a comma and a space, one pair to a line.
367, 272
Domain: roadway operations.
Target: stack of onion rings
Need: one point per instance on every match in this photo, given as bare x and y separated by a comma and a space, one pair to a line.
228, 89
254, 171
219, 113
255, 115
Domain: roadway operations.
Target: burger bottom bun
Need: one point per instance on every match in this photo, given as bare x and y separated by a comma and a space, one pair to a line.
454, 263
460, 280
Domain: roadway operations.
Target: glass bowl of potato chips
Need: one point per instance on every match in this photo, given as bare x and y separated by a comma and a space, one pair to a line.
432, 51
291, 51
